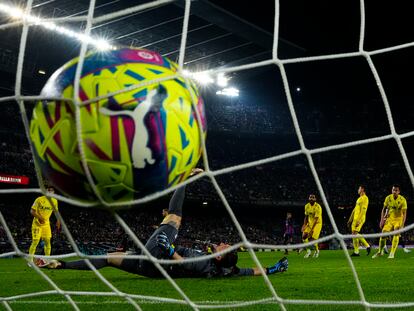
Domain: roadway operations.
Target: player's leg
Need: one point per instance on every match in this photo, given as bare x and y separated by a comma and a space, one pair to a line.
395, 239
305, 239
363, 241
36, 233
47, 236
383, 240
403, 243
81, 264
175, 208
286, 239
315, 235
355, 242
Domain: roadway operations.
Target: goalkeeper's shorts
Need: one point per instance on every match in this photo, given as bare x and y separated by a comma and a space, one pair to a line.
39, 232
316, 231
392, 224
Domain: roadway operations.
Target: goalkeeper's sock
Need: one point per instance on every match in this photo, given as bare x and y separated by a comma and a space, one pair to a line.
82, 265
395, 241
176, 202
355, 241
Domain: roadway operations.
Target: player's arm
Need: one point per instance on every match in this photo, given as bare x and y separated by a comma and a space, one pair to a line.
404, 214
58, 224
383, 213
35, 213
280, 266
351, 218
305, 223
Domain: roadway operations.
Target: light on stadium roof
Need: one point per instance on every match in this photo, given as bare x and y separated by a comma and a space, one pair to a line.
298, 89
205, 78
18, 13
42, 72
202, 77
205, 203
229, 91
222, 80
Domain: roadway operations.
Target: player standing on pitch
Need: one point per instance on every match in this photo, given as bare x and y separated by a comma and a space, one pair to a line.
357, 219
312, 224
393, 216
41, 210
289, 231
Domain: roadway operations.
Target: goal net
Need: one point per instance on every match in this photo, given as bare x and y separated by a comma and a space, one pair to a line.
289, 71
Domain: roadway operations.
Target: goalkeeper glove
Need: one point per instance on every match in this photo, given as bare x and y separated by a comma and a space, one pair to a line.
280, 266
164, 244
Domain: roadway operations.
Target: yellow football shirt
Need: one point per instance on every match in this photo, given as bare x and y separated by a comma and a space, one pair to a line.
45, 208
395, 206
361, 207
313, 211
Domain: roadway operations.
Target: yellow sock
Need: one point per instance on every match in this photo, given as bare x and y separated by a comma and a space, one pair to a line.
316, 247
48, 247
382, 243
363, 241
395, 241
306, 241
32, 249
355, 241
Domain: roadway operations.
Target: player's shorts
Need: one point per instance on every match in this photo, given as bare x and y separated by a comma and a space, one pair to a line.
316, 231
39, 232
392, 224
145, 267
357, 228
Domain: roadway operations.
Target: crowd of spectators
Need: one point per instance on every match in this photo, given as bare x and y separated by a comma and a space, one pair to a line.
239, 134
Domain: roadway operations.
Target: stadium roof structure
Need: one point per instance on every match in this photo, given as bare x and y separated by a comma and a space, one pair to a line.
216, 37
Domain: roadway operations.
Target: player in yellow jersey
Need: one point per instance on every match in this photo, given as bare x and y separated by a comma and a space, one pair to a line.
393, 216
41, 210
357, 219
312, 224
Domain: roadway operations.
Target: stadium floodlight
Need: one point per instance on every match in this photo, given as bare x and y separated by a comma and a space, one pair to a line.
229, 91
222, 80
202, 77
17, 13
298, 89
42, 72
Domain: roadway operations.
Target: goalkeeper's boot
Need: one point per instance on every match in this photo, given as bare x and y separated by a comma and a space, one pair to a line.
377, 254
308, 253
391, 255
281, 266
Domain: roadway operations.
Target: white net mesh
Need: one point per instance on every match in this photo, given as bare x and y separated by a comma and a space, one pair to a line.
137, 300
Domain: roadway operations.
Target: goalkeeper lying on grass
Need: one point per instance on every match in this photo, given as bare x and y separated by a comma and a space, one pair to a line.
160, 246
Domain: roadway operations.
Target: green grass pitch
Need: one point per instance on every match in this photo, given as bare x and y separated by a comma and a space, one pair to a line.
328, 277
